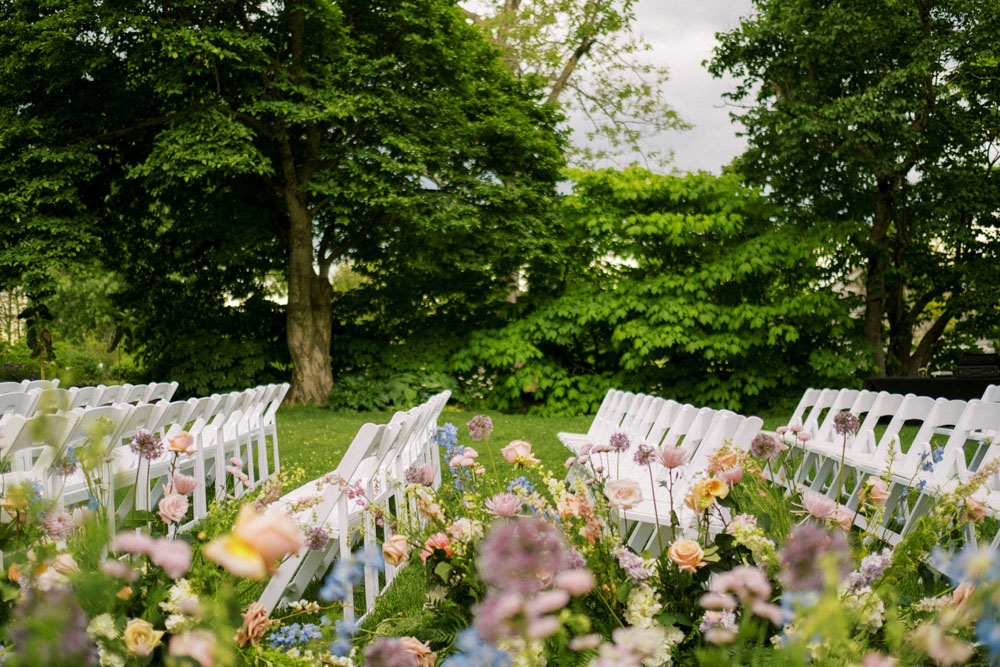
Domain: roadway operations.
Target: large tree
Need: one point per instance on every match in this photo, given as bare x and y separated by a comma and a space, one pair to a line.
591, 62
878, 120
356, 123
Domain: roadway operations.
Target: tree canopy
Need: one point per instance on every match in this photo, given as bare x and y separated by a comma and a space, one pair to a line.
878, 122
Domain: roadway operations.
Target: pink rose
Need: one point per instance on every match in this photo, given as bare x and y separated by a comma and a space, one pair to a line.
671, 457
518, 452
623, 494
412, 645
844, 517
395, 550
173, 508
876, 659
568, 505
436, 541
576, 582
174, 556
255, 625
975, 511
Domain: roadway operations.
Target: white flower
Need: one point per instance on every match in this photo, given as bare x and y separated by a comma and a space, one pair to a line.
867, 605
181, 599
643, 604
102, 627
177, 622
109, 658
671, 637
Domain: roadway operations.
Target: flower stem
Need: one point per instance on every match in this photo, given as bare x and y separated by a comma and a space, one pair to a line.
656, 512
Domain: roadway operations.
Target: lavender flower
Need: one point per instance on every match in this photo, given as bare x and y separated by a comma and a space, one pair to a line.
389, 652
644, 455
872, 567
619, 442
518, 555
146, 445
65, 465
633, 565
420, 474
316, 538
845, 423
725, 620
801, 559
766, 447
480, 428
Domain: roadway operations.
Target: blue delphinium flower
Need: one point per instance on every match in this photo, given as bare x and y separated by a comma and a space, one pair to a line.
988, 633
294, 634
474, 652
337, 586
520, 483
973, 564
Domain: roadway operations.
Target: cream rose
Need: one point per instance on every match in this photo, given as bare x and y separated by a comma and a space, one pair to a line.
425, 657
395, 550
876, 490
687, 555
173, 508
623, 494
140, 637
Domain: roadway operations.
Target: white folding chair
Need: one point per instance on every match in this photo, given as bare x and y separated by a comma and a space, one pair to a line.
8, 387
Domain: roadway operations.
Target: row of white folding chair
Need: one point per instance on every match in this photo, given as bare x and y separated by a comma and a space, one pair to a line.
376, 459
992, 394
27, 385
616, 408
53, 399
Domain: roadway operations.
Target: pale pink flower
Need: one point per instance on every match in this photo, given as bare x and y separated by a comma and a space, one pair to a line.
795, 429
183, 484
623, 494
875, 489
256, 543
578, 581
731, 476
876, 659
671, 457
747, 520
805, 436
519, 452
133, 543
425, 657
395, 550
600, 449
843, 517
504, 505
569, 462
771, 612
236, 462
585, 642
118, 570
745, 581
58, 523
173, 508
817, 505
717, 601
585, 449
460, 461
174, 556
568, 506
975, 511
781, 430
199, 645
548, 602
542, 627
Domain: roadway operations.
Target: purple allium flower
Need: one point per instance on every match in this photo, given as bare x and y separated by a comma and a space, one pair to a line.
633, 565
519, 555
493, 615
59, 523
619, 442
420, 474
803, 555
64, 640
480, 427
574, 560
766, 447
316, 538
723, 620
872, 567
146, 445
845, 423
389, 652
64, 466
645, 455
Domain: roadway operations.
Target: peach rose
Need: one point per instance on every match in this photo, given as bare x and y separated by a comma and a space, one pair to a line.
173, 508
687, 555
962, 593
125, 593
257, 543
568, 506
722, 458
255, 625
518, 452
182, 443
623, 494
425, 657
843, 517
975, 511
395, 550
140, 637
876, 490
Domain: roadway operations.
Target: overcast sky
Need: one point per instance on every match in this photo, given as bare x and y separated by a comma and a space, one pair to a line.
682, 34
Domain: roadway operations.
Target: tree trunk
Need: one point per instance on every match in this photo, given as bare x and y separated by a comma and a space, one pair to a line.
309, 322
875, 276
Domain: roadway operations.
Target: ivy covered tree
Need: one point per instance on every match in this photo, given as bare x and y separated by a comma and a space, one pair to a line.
355, 127
687, 286
877, 121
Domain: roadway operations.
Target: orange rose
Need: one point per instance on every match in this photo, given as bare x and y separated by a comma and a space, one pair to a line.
182, 443
568, 506
687, 555
722, 458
